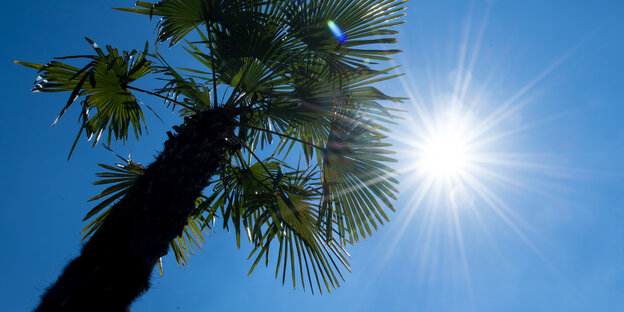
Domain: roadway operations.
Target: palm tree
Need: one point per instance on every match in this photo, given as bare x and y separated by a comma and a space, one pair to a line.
283, 129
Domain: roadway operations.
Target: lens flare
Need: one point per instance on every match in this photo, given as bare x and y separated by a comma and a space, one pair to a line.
338, 33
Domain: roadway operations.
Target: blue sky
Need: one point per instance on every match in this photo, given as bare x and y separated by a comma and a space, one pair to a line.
543, 231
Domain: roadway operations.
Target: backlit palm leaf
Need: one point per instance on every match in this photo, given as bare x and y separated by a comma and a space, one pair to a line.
180, 17
194, 95
304, 24
357, 181
120, 179
356, 23
274, 204
107, 105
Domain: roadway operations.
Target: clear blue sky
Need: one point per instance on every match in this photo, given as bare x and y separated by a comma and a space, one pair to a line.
548, 235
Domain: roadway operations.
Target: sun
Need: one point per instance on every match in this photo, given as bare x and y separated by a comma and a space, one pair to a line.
444, 154
443, 151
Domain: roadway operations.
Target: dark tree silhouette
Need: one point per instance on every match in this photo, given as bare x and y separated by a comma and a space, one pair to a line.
290, 74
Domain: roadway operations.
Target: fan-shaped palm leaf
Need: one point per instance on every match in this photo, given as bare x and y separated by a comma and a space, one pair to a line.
270, 201
103, 86
356, 177
180, 17
121, 177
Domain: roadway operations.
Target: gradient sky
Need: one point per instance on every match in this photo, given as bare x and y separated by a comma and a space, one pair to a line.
542, 230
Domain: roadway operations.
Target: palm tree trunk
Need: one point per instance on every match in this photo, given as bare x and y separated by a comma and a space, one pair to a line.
115, 265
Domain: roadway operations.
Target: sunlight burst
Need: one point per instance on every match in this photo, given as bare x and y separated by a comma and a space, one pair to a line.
465, 164
444, 154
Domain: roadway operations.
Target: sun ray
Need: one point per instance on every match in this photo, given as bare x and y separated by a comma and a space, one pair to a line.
417, 200
462, 250
475, 53
507, 107
502, 210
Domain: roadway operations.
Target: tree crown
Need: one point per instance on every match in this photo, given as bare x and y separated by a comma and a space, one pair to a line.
300, 77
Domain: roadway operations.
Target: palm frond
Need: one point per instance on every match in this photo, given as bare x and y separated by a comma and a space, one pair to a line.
357, 181
120, 179
194, 95
180, 17
107, 105
273, 203
360, 22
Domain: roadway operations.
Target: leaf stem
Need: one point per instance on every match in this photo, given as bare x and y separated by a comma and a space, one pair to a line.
282, 135
163, 97
214, 79
261, 164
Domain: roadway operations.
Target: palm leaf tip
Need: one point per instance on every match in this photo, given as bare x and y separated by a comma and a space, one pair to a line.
30, 65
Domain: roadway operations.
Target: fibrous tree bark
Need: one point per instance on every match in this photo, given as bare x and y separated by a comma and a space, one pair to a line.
115, 264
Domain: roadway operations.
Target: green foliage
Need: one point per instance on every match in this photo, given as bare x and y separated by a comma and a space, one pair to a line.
102, 85
272, 202
121, 176
299, 93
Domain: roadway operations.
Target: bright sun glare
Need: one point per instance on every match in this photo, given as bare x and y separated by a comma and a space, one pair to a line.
442, 151
443, 154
